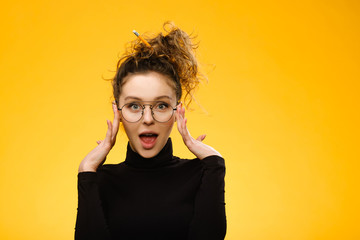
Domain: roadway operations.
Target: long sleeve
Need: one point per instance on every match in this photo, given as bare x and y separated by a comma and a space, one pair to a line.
209, 220
90, 220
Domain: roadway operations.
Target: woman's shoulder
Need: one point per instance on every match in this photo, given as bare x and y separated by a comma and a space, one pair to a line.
207, 162
109, 168
214, 161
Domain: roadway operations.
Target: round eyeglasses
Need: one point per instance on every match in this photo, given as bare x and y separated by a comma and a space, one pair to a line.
160, 111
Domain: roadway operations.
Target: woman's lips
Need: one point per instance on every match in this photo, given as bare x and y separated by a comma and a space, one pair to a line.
148, 140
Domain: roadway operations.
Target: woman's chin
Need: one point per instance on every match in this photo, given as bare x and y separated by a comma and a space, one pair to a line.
148, 153
150, 149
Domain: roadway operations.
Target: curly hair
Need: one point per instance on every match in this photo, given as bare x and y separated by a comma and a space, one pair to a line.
171, 54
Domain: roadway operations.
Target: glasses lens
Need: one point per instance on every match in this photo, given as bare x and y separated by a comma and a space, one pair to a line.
162, 111
132, 112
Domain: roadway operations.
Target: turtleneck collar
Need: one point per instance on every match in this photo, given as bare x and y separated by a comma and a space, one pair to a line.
163, 158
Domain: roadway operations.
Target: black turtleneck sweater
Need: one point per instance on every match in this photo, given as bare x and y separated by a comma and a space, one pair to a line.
163, 197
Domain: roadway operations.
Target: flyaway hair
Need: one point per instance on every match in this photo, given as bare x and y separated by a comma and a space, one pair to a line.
171, 54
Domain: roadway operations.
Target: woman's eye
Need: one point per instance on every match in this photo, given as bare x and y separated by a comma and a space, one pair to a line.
134, 106
162, 106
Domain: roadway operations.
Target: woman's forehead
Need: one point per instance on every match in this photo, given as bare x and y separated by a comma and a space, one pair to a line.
149, 86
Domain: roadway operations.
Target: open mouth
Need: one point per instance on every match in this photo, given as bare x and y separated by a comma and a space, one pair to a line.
148, 139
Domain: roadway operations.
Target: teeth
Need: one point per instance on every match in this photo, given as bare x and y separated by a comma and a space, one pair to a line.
148, 134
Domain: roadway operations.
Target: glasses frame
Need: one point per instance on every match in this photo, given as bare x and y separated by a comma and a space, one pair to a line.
151, 109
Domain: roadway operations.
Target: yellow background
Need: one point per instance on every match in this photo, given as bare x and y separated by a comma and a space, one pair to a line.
282, 107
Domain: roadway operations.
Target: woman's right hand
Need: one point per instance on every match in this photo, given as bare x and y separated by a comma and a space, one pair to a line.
98, 155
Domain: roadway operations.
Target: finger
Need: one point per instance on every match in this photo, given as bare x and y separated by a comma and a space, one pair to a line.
178, 119
181, 124
108, 133
201, 137
182, 112
181, 115
185, 132
116, 120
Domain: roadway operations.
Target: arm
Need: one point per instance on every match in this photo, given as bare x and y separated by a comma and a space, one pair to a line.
209, 220
90, 220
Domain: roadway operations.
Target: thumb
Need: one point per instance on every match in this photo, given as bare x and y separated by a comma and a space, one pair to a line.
201, 137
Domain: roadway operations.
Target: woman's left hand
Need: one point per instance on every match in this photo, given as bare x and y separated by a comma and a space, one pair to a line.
196, 146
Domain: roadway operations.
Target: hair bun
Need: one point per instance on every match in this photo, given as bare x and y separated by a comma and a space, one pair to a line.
171, 53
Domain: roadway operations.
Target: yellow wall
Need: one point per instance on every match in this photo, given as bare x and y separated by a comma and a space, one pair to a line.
282, 103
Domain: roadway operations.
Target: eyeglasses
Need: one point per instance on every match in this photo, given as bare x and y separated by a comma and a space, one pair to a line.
160, 111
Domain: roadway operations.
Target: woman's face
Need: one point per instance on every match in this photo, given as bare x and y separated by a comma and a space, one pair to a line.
147, 88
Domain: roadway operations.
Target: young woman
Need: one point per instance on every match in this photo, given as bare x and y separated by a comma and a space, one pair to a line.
152, 194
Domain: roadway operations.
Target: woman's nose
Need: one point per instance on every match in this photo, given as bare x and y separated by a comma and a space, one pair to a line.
148, 118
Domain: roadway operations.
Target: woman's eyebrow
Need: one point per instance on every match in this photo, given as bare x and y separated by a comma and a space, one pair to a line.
164, 96
131, 97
